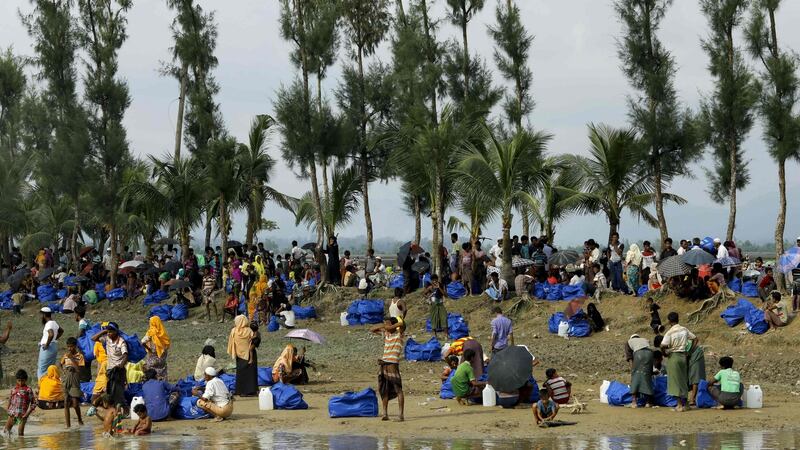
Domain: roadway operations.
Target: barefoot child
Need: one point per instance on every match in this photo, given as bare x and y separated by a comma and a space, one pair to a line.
545, 409
559, 389
71, 364
452, 364
230, 307
21, 404
111, 416
143, 426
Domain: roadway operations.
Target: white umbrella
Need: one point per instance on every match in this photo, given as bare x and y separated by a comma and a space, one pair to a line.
131, 264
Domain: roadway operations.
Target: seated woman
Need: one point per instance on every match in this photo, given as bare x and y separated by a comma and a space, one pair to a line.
51, 394
766, 285
290, 368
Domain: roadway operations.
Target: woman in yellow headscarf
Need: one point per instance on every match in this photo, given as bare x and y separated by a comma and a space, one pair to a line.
287, 367
51, 394
156, 341
258, 264
242, 344
41, 259
101, 380
256, 295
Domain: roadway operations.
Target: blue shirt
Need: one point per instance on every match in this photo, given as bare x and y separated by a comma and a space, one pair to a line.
501, 328
156, 398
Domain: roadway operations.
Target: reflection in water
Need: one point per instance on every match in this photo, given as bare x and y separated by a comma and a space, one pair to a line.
91, 438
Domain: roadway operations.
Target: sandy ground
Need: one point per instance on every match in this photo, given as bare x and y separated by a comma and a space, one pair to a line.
348, 362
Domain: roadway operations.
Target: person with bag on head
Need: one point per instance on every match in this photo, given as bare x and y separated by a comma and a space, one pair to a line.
215, 398
117, 353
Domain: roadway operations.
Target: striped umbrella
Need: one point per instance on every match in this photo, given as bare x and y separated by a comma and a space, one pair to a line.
673, 267
728, 261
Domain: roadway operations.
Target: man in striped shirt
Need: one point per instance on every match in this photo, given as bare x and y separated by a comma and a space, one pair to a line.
390, 385
209, 283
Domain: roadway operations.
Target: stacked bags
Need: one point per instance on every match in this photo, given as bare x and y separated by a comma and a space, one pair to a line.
363, 312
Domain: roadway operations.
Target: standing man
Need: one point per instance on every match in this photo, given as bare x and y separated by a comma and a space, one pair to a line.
674, 346
502, 331
615, 248
684, 247
667, 250
209, 284
117, 353
297, 256
332, 251
390, 384
455, 247
722, 252
48, 345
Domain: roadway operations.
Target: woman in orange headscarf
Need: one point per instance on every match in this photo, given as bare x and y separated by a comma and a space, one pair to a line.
288, 367
256, 295
156, 341
51, 394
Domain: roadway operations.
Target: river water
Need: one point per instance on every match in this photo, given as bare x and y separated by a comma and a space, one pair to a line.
89, 438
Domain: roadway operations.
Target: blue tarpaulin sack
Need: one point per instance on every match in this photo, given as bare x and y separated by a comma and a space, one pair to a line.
46, 293
56, 307
6, 303
642, 290
363, 312
304, 313
155, 298
164, 312
554, 292
572, 292
534, 390
555, 320
456, 326
187, 410
397, 281
704, 399
286, 396
446, 391
456, 290
100, 289
619, 394
116, 294
86, 344
429, 351
86, 389
354, 404
579, 325
749, 289
735, 285
133, 390
734, 314
61, 294
538, 291
229, 380
707, 244
229, 285
273, 325
185, 386
754, 320
660, 396
136, 351
426, 279
69, 281
265, 376
179, 312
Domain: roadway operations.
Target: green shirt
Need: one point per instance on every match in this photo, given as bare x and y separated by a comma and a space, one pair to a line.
729, 380
461, 379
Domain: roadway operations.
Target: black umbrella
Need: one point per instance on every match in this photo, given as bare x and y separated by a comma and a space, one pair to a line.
179, 285
409, 248
234, 244
309, 246
673, 267
563, 258
510, 369
152, 271
698, 257
421, 266
173, 266
46, 273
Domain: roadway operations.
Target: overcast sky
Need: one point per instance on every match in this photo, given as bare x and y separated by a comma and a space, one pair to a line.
577, 80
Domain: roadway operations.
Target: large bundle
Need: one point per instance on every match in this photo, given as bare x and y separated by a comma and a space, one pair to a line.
354, 404
362, 312
457, 327
286, 396
429, 351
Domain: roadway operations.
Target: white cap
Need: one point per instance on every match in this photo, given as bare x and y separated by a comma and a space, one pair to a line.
717, 241
798, 238
210, 371
46, 310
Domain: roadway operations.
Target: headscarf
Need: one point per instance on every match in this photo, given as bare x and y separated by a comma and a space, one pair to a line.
50, 389
239, 340
158, 335
41, 259
286, 358
259, 266
634, 255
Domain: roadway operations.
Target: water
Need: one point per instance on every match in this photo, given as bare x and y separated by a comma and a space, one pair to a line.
89, 438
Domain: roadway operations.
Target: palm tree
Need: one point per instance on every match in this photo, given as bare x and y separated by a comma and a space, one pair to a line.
551, 206
343, 203
50, 223
256, 169
501, 174
143, 219
612, 179
177, 192
14, 173
225, 180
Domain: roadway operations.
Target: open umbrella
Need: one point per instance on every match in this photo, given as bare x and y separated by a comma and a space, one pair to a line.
46, 273
309, 246
132, 264
421, 266
697, 257
517, 262
673, 267
407, 249
15, 280
728, 261
177, 285
126, 270
152, 271
306, 335
166, 241
564, 257
510, 369
790, 260
173, 266
234, 244
85, 251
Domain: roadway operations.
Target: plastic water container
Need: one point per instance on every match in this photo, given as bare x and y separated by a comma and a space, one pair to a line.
489, 396
265, 401
563, 329
136, 401
603, 390
343, 319
753, 397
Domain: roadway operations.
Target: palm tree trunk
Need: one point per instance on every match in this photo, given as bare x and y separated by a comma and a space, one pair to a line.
249, 232
112, 230
780, 224
431, 56
184, 232
507, 272
662, 220
326, 191
223, 223
526, 222
417, 220
437, 217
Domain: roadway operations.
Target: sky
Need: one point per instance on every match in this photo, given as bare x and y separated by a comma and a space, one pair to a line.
577, 80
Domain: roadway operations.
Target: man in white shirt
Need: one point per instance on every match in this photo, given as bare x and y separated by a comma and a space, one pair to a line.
297, 252
107, 259
215, 398
722, 252
288, 316
378, 276
48, 345
497, 289
683, 247
496, 252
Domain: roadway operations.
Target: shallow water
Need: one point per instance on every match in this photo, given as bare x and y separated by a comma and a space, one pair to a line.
89, 438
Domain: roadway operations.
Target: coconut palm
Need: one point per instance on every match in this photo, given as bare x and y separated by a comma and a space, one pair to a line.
224, 182
612, 179
501, 173
345, 196
551, 206
49, 223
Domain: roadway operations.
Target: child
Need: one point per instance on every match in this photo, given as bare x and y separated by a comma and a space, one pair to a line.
21, 404
143, 426
452, 364
726, 386
545, 409
231, 306
112, 416
438, 315
655, 318
71, 363
557, 387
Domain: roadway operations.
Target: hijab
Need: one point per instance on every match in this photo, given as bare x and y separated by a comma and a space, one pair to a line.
158, 335
595, 317
261, 286
634, 255
239, 340
259, 265
50, 389
286, 358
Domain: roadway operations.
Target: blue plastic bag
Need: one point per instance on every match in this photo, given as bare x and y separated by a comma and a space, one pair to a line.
707, 244
755, 322
273, 325
155, 298
229, 379
56, 307
164, 312
660, 396
572, 292
61, 294
619, 394
242, 305
179, 312
429, 351
304, 313
642, 290
457, 328
86, 344
554, 292
555, 320
579, 325
354, 404
750, 289
69, 281
426, 279
456, 290
136, 351
46, 293
363, 312
286, 396
265, 376
133, 390
539, 291
87, 388
704, 399
446, 391
397, 281
534, 391
735, 285
116, 294
734, 314
100, 290
187, 410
